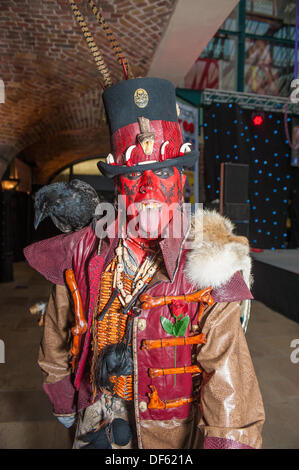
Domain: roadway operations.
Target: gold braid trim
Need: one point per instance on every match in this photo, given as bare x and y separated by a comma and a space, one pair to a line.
101, 65
110, 36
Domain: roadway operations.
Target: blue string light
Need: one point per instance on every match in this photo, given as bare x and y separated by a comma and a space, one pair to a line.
269, 171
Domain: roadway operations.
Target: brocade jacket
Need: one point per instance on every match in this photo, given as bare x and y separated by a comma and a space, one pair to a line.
229, 412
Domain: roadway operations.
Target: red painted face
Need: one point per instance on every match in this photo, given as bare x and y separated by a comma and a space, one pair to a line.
149, 195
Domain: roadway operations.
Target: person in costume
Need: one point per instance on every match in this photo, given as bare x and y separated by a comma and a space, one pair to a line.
142, 331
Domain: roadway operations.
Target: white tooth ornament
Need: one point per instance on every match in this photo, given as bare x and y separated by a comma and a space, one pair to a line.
185, 148
164, 145
128, 155
110, 159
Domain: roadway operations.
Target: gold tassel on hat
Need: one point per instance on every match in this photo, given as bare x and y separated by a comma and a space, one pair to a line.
101, 65
122, 60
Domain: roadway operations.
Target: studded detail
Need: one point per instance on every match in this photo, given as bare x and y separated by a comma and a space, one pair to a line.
141, 324
142, 406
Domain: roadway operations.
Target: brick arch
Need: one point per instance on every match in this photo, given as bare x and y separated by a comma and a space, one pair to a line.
52, 111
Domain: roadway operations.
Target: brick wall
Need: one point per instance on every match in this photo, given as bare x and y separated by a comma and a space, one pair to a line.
53, 113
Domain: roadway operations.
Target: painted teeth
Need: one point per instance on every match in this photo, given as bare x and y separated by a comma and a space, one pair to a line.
150, 205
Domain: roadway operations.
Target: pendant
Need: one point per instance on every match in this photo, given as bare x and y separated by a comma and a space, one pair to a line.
128, 298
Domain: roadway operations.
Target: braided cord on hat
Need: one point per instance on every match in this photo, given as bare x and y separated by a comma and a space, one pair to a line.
110, 36
101, 65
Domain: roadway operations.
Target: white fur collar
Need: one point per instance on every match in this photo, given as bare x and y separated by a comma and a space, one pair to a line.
216, 253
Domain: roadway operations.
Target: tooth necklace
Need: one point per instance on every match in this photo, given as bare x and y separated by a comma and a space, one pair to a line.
142, 276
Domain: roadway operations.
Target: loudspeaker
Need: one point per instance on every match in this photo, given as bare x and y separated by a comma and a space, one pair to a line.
234, 179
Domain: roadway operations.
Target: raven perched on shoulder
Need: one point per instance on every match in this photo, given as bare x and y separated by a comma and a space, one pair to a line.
71, 206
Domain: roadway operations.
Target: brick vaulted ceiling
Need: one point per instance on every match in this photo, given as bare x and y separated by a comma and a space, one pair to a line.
53, 114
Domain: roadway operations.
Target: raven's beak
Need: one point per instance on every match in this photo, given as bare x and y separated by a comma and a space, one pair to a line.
37, 219
39, 216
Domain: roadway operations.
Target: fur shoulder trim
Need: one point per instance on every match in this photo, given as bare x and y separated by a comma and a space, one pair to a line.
216, 254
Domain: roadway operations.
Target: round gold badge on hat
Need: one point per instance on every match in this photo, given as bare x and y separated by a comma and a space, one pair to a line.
141, 98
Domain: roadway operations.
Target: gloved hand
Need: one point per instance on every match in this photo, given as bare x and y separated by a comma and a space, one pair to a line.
67, 421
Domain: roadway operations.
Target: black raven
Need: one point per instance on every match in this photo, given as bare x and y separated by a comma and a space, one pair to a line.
71, 206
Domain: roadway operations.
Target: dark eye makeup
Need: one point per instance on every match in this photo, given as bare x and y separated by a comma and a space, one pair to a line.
161, 172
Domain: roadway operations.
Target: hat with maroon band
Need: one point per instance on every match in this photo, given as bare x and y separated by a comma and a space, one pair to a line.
145, 133
141, 112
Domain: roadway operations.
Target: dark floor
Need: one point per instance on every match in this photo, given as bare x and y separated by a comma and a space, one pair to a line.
26, 420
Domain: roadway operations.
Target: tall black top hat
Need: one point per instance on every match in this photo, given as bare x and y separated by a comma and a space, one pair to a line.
142, 117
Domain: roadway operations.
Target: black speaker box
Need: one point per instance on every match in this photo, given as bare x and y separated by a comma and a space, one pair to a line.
234, 195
